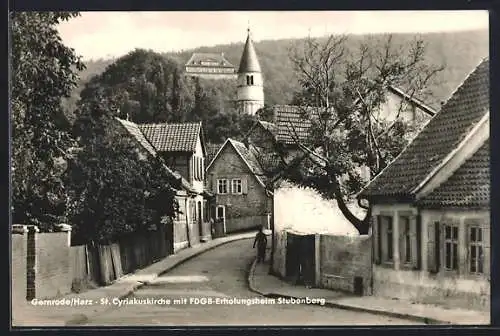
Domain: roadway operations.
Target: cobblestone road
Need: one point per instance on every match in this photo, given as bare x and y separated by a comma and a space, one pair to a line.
219, 275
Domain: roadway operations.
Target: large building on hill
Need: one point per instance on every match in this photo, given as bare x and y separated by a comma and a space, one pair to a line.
210, 66
250, 91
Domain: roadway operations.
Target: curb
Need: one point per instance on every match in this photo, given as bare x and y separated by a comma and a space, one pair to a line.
409, 317
83, 318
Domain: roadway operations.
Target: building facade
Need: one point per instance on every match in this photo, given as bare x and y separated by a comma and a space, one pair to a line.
182, 148
237, 180
210, 66
431, 208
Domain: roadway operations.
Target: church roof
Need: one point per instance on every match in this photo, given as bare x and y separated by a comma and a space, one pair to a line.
249, 61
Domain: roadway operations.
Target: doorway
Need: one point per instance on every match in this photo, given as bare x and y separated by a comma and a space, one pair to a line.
221, 215
200, 221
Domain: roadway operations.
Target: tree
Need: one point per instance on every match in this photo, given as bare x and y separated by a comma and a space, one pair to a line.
147, 88
341, 93
114, 189
43, 71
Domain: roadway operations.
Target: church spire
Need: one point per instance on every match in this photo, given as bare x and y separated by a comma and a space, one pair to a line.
249, 61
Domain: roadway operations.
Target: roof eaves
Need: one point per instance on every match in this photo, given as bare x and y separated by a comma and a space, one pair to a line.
217, 154
427, 109
246, 162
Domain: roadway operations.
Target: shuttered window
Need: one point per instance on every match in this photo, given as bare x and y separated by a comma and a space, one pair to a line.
222, 186
236, 186
478, 246
451, 247
476, 250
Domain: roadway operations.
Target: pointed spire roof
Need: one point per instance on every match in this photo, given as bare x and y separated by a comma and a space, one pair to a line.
249, 61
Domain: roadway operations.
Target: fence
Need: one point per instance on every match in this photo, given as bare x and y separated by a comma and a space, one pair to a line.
45, 265
339, 262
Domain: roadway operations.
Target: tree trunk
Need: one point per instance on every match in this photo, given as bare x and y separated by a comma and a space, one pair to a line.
362, 225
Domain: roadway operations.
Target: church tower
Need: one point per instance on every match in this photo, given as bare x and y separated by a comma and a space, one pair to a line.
250, 92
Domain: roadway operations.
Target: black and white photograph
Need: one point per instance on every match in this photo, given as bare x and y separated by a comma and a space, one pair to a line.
249, 168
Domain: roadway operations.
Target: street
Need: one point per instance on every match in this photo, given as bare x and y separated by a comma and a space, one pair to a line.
220, 274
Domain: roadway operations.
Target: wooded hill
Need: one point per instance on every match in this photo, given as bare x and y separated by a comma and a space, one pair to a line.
459, 51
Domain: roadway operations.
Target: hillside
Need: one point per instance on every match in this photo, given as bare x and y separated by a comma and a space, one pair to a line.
459, 51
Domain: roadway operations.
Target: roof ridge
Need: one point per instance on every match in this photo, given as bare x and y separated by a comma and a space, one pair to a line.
245, 160
469, 74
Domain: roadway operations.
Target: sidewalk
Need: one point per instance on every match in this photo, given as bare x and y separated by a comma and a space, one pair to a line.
61, 315
270, 286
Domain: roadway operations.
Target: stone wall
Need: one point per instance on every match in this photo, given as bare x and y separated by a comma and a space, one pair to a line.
279, 263
18, 270
53, 275
422, 287
247, 222
344, 258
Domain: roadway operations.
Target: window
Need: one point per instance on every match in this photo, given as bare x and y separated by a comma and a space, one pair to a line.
222, 186
249, 80
476, 252
236, 186
451, 247
404, 222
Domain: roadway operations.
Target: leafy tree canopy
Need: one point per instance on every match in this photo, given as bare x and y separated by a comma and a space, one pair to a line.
43, 71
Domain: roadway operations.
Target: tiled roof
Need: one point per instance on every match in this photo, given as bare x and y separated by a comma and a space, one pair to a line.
134, 130
172, 137
443, 133
469, 186
197, 58
251, 157
289, 124
249, 61
212, 150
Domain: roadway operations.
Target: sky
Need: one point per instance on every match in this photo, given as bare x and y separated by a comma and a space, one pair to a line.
112, 34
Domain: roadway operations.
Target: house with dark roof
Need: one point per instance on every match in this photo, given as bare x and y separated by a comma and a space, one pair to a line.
209, 65
182, 147
237, 178
431, 207
289, 122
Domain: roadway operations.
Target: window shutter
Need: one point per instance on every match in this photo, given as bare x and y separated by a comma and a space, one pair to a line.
431, 247
198, 159
376, 239
418, 229
191, 168
401, 238
413, 241
244, 185
202, 169
438, 245
463, 245
214, 184
195, 173
487, 248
